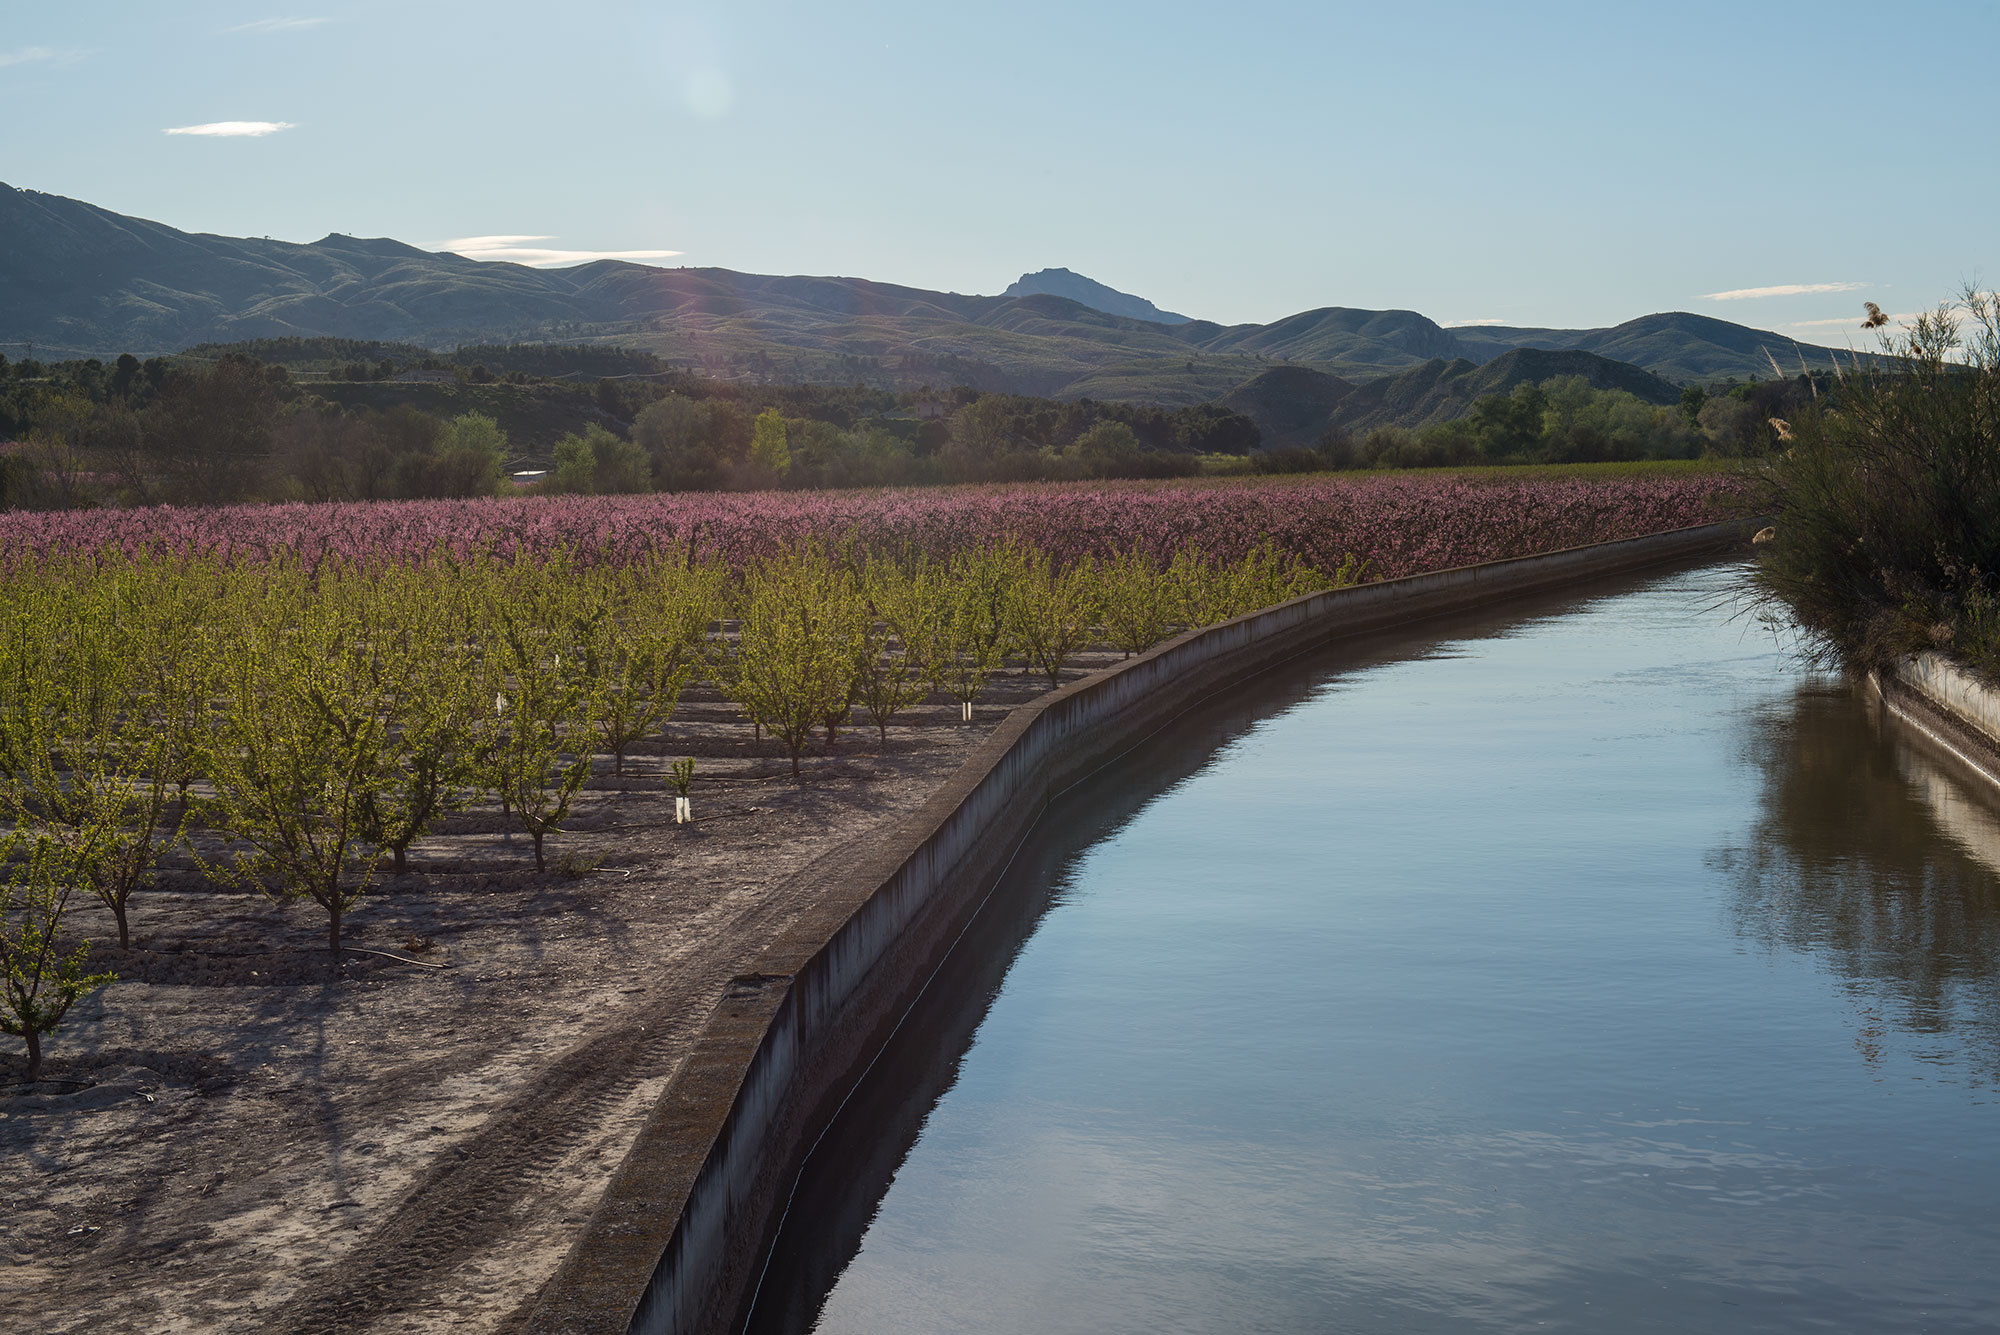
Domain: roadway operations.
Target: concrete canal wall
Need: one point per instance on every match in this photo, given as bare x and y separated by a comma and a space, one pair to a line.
1944, 702
678, 1241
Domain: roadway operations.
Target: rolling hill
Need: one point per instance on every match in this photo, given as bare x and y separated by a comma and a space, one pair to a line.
77, 280
1292, 405
1439, 391
1676, 345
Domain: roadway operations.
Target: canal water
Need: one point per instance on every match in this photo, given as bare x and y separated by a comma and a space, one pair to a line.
1593, 967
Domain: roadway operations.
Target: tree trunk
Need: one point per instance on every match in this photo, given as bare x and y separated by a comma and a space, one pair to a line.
124, 932
34, 1038
333, 927
795, 764
538, 851
400, 857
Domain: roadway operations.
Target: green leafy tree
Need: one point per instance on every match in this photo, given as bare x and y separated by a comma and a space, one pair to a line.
622, 466
470, 456
654, 644
1053, 612
575, 471
59, 450
1885, 504
1104, 448
424, 672
693, 443
39, 980
1200, 590
986, 584
1267, 576
208, 432
1138, 602
549, 644
299, 759
801, 631
770, 446
598, 462
1693, 399
905, 617
91, 755
1209, 428
979, 587
180, 623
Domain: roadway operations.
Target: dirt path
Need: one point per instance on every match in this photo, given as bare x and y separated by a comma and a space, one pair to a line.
254, 1145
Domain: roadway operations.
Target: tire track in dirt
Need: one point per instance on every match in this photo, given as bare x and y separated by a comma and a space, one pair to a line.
470, 1198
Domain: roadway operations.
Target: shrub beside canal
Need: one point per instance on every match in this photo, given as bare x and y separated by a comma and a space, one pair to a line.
1886, 500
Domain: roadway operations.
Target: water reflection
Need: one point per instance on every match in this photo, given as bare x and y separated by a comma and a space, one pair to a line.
1881, 860
850, 1169
1423, 1005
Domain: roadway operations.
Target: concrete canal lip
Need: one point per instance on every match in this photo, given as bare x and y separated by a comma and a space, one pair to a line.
1944, 703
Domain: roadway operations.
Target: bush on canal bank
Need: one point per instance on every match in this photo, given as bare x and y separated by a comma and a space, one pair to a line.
1886, 501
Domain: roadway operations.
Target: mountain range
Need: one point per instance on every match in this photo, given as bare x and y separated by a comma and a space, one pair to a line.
1089, 292
78, 280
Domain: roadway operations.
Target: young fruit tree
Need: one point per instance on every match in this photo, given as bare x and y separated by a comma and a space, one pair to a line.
298, 764
89, 758
962, 634
424, 672
538, 744
681, 777
39, 981
802, 628
1138, 607
963, 655
1053, 612
904, 614
655, 642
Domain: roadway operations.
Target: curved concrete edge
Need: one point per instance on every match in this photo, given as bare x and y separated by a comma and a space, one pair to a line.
1944, 702
677, 1243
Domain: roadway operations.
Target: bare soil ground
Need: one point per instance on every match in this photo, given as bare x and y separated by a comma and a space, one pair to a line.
237, 1137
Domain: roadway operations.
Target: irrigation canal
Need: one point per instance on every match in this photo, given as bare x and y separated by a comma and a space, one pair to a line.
1590, 968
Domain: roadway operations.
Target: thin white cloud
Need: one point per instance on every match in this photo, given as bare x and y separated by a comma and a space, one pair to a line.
38, 55
463, 244
1780, 290
1473, 324
1852, 321
1905, 319
276, 25
517, 250
232, 129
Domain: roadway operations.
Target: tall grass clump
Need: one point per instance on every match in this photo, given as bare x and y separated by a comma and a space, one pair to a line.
1885, 503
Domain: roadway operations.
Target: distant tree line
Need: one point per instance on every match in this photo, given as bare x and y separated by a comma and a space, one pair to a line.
217, 425
142, 433
1567, 420
223, 426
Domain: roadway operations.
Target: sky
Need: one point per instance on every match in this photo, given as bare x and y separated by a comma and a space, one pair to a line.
1565, 165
